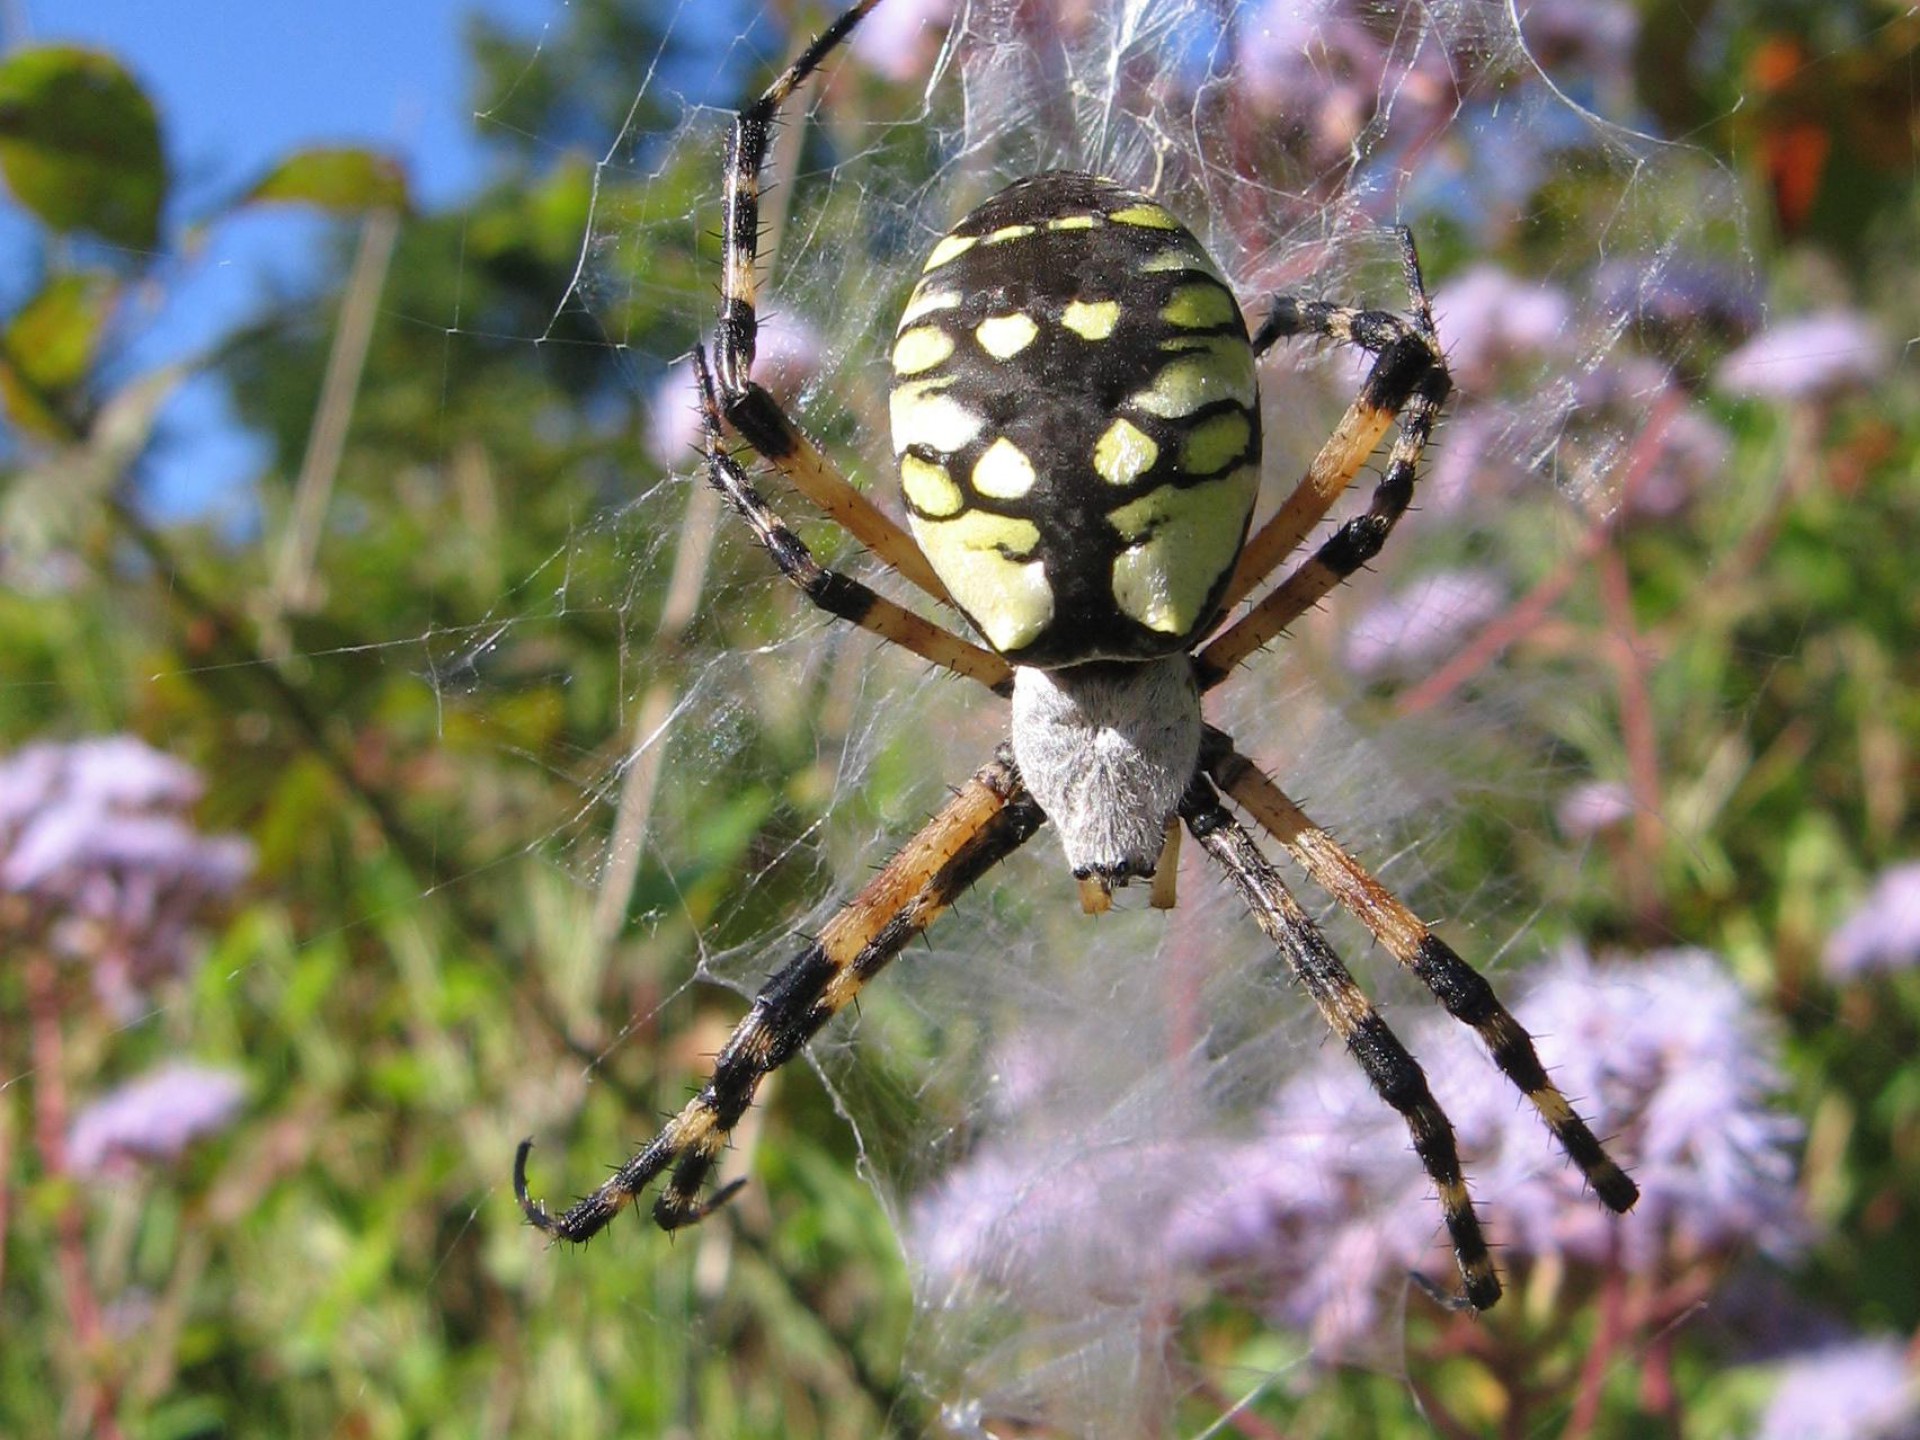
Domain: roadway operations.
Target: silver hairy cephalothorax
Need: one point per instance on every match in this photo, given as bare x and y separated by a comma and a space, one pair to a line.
1107, 750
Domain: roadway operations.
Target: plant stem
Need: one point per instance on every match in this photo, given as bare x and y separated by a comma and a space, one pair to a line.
94, 1396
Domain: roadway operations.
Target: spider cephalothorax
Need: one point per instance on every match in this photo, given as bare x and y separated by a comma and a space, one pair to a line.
1076, 422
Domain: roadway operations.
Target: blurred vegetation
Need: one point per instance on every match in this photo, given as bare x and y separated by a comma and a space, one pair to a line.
398, 704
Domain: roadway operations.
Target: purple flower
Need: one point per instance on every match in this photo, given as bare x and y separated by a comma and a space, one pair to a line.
1593, 38
1308, 1218
1883, 932
1319, 69
1329, 1208
1489, 319
1054, 1229
1860, 1390
898, 39
1810, 358
1680, 297
1671, 460
1588, 810
1323, 83
117, 770
1477, 463
96, 835
1691, 453
1421, 623
153, 1119
1670, 1056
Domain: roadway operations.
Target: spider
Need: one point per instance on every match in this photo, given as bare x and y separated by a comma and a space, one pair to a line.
1076, 422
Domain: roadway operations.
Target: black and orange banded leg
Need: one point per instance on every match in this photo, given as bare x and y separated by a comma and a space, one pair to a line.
837, 594
987, 819
753, 413
1461, 989
1408, 380
1394, 1074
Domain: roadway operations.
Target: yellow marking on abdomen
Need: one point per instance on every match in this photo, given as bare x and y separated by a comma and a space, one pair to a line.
1124, 453
1200, 306
1179, 258
922, 416
1219, 369
921, 348
1005, 336
950, 247
930, 488
1215, 442
1009, 232
1075, 222
1004, 472
1091, 320
924, 302
1185, 541
982, 559
1151, 217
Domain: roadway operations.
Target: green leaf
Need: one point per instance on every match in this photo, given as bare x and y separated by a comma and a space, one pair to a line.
47, 351
52, 339
347, 180
80, 144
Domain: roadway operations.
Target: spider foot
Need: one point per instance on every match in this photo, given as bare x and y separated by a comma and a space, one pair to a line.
536, 1211
593, 1213
1096, 894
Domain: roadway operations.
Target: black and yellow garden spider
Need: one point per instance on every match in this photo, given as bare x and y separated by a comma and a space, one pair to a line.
1077, 426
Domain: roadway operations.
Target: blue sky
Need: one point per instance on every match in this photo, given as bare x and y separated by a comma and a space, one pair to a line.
240, 82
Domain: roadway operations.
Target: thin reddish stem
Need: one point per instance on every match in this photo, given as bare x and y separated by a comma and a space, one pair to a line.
1528, 612
70, 1240
1599, 1359
1638, 730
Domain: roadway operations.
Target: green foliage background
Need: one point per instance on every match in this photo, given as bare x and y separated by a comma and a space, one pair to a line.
407, 970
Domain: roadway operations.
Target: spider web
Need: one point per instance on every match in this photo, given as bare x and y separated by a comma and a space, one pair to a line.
1036, 1094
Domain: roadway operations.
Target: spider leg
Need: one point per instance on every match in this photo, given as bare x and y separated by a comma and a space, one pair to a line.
833, 592
749, 408
1464, 992
1408, 379
1395, 1075
987, 819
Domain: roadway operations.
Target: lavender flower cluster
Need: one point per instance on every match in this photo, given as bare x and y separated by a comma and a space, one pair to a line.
1861, 1389
101, 864
153, 1119
1512, 341
97, 849
1421, 623
1593, 808
1326, 1209
1883, 933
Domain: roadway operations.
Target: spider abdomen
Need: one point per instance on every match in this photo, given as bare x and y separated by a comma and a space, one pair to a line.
1077, 423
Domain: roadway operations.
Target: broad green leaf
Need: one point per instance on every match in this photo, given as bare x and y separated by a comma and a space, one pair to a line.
80, 144
52, 339
348, 180
48, 348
